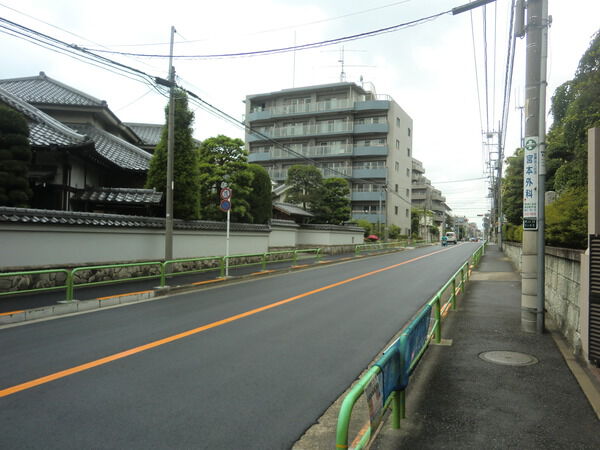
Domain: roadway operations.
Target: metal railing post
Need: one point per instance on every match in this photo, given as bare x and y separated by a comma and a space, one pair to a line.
163, 274
70, 278
222, 267
396, 410
454, 293
295, 257
264, 262
438, 320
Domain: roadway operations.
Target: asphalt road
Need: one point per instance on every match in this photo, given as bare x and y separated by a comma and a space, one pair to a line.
249, 365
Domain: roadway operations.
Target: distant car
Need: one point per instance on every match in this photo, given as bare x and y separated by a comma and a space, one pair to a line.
474, 239
451, 237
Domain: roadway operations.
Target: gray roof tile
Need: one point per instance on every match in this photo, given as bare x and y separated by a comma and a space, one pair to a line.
43, 216
120, 196
45, 90
290, 209
115, 149
43, 129
149, 133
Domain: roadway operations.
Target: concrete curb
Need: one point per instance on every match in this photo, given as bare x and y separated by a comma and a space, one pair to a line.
72, 307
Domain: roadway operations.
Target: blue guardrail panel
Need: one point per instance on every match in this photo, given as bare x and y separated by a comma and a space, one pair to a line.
390, 369
410, 344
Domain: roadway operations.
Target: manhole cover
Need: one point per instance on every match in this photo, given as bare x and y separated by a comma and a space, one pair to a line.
508, 358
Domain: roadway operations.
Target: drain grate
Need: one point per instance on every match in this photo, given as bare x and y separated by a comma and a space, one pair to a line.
506, 358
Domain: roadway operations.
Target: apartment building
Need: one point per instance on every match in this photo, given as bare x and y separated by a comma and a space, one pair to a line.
345, 130
426, 197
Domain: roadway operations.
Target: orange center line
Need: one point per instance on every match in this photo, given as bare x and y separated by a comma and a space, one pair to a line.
107, 359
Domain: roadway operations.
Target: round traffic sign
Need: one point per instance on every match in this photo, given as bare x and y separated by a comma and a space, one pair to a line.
226, 193
225, 205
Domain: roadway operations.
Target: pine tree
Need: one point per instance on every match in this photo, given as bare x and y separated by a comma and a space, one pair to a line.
223, 159
15, 156
186, 193
261, 202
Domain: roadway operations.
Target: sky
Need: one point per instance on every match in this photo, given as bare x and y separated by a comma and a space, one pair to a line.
435, 71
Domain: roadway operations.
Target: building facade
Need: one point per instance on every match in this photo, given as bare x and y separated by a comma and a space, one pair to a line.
344, 130
427, 198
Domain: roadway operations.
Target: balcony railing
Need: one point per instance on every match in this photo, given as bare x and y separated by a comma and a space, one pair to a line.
379, 102
319, 151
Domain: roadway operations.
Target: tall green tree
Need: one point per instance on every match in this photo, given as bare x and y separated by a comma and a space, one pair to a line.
15, 157
186, 198
512, 188
333, 203
260, 200
305, 183
576, 108
223, 159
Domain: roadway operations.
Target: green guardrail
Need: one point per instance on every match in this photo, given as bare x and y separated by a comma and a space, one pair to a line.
263, 259
358, 249
432, 315
71, 284
163, 273
34, 273
166, 273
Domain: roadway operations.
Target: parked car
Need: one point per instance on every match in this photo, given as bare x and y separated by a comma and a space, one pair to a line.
451, 237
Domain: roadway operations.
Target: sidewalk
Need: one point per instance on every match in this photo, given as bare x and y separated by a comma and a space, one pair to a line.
458, 400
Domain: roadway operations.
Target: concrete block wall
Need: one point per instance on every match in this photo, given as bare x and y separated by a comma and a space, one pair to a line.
563, 283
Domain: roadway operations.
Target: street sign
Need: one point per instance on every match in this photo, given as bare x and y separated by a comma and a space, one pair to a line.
530, 183
226, 193
225, 205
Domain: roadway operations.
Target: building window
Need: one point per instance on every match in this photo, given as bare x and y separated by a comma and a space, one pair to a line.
407, 172
407, 193
397, 144
397, 166
409, 132
396, 188
367, 143
408, 152
406, 212
397, 121
395, 210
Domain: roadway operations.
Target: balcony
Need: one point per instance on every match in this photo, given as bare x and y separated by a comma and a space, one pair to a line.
367, 196
309, 152
369, 173
371, 151
370, 217
319, 152
314, 129
306, 109
419, 195
259, 156
368, 128
372, 105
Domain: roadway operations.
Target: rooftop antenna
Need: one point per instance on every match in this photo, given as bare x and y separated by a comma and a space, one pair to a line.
341, 60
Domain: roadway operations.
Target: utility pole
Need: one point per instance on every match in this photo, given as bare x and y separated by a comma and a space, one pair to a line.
533, 256
500, 162
170, 156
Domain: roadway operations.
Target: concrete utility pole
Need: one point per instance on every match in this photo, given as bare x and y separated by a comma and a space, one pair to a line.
533, 257
170, 156
500, 161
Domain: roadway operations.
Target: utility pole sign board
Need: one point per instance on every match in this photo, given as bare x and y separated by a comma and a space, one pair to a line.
530, 184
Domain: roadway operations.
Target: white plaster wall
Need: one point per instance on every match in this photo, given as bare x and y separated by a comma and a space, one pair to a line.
323, 237
283, 237
32, 245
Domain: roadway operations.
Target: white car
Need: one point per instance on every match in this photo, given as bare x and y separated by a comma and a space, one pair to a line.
451, 237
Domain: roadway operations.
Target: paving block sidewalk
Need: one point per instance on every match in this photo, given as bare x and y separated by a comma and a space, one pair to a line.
457, 400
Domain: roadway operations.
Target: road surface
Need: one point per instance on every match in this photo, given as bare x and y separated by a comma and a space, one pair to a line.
247, 365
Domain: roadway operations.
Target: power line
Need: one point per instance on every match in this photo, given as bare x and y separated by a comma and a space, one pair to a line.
273, 51
273, 29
